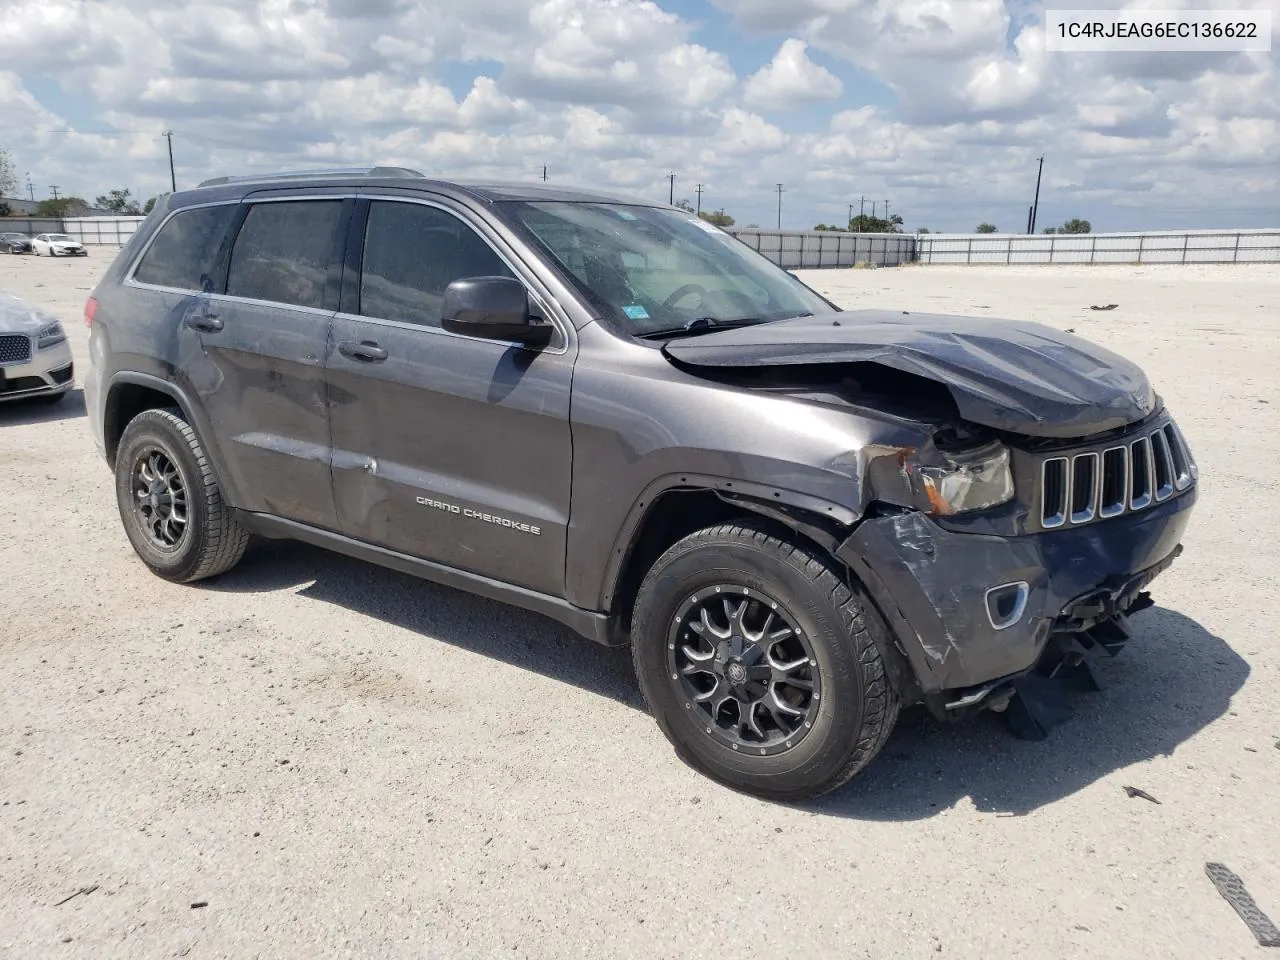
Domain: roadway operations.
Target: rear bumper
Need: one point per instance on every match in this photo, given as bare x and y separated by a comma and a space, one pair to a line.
932, 586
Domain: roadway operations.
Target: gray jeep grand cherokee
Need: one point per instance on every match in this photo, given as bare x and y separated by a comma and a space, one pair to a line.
614, 414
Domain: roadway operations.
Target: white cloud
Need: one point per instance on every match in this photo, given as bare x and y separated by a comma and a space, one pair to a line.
791, 79
619, 92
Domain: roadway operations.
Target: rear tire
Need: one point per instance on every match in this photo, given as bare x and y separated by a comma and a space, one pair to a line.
741, 584
169, 501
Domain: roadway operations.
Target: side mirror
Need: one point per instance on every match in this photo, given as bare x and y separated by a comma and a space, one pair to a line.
496, 308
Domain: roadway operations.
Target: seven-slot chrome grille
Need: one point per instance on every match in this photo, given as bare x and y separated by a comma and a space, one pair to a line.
1122, 477
14, 348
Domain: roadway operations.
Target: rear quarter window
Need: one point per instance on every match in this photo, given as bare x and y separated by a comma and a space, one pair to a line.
185, 251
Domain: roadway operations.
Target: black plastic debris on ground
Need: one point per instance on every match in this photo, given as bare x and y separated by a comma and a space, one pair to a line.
1109, 306
1140, 794
83, 891
1232, 889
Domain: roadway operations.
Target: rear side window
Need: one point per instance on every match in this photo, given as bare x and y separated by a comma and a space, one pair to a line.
282, 252
411, 253
185, 252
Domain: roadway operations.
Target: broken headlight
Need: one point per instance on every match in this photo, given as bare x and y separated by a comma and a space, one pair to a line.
969, 480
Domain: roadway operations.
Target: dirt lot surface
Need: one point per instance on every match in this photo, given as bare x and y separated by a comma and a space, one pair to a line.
342, 761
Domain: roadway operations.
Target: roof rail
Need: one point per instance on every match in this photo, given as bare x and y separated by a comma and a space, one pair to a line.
385, 172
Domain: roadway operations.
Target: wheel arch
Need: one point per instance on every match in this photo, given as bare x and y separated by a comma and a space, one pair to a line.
129, 394
675, 510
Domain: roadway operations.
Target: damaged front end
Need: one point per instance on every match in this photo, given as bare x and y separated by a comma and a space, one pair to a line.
1005, 608
1009, 545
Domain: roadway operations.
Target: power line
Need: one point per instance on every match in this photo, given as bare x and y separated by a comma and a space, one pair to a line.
781, 191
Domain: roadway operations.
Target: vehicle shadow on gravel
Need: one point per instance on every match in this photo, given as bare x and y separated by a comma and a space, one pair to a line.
1174, 680
455, 617
20, 412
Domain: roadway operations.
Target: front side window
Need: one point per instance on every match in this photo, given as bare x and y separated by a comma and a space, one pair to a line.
283, 251
184, 252
652, 271
412, 252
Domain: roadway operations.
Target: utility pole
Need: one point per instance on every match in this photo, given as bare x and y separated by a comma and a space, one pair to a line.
850, 223
1030, 211
672, 178
873, 209
544, 173
1035, 207
31, 190
699, 191
54, 187
781, 191
173, 183
886, 214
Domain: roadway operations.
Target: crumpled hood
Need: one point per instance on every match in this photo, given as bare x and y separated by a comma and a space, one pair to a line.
1010, 375
18, 316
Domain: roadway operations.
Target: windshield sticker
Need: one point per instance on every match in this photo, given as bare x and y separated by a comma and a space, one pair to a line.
636, 312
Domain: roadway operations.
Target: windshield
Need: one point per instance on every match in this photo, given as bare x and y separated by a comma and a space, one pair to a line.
653, 270
60, 236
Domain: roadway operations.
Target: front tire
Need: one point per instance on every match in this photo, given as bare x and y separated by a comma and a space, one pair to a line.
760, 663
169, 501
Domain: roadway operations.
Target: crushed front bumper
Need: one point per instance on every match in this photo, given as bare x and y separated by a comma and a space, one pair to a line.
971, 609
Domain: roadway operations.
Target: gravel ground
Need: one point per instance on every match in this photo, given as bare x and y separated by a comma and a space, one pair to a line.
342, 761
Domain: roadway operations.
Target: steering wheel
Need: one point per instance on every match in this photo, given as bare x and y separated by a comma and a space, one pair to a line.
683, 292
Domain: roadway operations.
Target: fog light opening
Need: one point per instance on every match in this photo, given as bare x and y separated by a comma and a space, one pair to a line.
1007, 603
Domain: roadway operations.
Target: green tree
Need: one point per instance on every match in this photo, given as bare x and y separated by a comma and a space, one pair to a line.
923, 230
987, 228
1049, 230
684, 205
8, 174
718, 219
62, 207
149, 206
119, 202
864, 223
1076, 225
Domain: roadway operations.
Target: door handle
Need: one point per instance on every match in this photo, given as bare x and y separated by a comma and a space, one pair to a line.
205, 323
366, 351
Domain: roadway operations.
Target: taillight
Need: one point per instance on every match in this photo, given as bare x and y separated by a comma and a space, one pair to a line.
90, 308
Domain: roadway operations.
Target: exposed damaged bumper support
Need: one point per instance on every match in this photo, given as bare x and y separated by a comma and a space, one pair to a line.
997, 623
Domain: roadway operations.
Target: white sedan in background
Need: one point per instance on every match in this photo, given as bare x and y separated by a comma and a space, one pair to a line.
58, 245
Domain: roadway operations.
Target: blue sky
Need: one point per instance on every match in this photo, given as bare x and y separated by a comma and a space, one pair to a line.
940, 106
